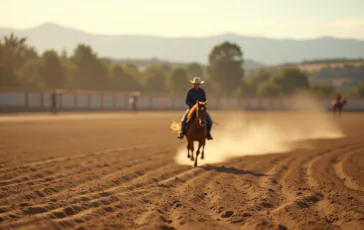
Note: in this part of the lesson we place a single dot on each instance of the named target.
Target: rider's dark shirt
(338, 98)
(194, 95)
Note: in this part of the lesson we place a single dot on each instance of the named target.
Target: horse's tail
(175, 127)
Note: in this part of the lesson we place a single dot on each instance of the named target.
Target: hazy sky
(269, 18)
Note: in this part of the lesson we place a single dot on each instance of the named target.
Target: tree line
(22, 67)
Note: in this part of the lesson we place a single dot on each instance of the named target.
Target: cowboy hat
(197, 80)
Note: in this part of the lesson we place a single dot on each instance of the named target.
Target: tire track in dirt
(94, 197)
(82, 196)
(265, 194)
(153, 209)
(210, 200)
(177, 205)
(161, 177)
(161, 212)
(69, 215)
(243, 180)
(347, 164)
(144, 189)
(86, 178)
(298, 197)
(194, 209)
(163, 194)
(340, 205)
(272, 197)
(164, 201)
(11, 170)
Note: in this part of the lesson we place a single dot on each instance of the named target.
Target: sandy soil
(131, 172)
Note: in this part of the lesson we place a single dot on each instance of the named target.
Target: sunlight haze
(298, 19)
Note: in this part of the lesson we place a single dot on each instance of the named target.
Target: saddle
(336, 102)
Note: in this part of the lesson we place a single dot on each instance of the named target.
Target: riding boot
(183, 130)
(209, 126)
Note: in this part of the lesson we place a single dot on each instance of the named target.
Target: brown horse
(338, 106)
(196, 130)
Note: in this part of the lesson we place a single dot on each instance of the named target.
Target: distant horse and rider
(196, 123)
(338, 105)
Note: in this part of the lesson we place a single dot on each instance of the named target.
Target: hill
(188, 49)
(318, 65)
(142, 63)
(340, 73)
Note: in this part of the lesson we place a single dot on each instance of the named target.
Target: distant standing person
(54, 101)
(133, 102)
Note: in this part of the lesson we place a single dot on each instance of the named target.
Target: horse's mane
(193, 110)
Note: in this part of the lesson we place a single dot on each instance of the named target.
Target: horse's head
(201, 113)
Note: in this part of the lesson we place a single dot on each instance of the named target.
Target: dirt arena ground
(125, 171)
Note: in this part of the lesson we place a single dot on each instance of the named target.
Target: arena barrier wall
(78, 101)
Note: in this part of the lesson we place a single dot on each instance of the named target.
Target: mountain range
(258, 51)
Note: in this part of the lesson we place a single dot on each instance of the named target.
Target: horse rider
(338, 98)
(193, 95)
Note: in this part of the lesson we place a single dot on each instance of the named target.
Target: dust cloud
(271, 132)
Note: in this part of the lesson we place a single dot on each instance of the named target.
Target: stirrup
(181, 135)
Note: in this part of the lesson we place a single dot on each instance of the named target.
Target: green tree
(291, 80)
(194, 69)
(225, 66)
(51, 70)
(132, 70)
(29, 76)
(165, 67)
(154, 80)
(360, 90)
(260, 77)
(269, 89)
(210, 88)
(121, 80)
(14, 53)
(64, 55)
(323, 90)
(177, 82)
(246, 89)
(89, 72)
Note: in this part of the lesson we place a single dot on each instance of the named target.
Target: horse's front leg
(203, 152)
(197, 152)
(203, 143)
(188, 150)
(198, 149)
(190, 143)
